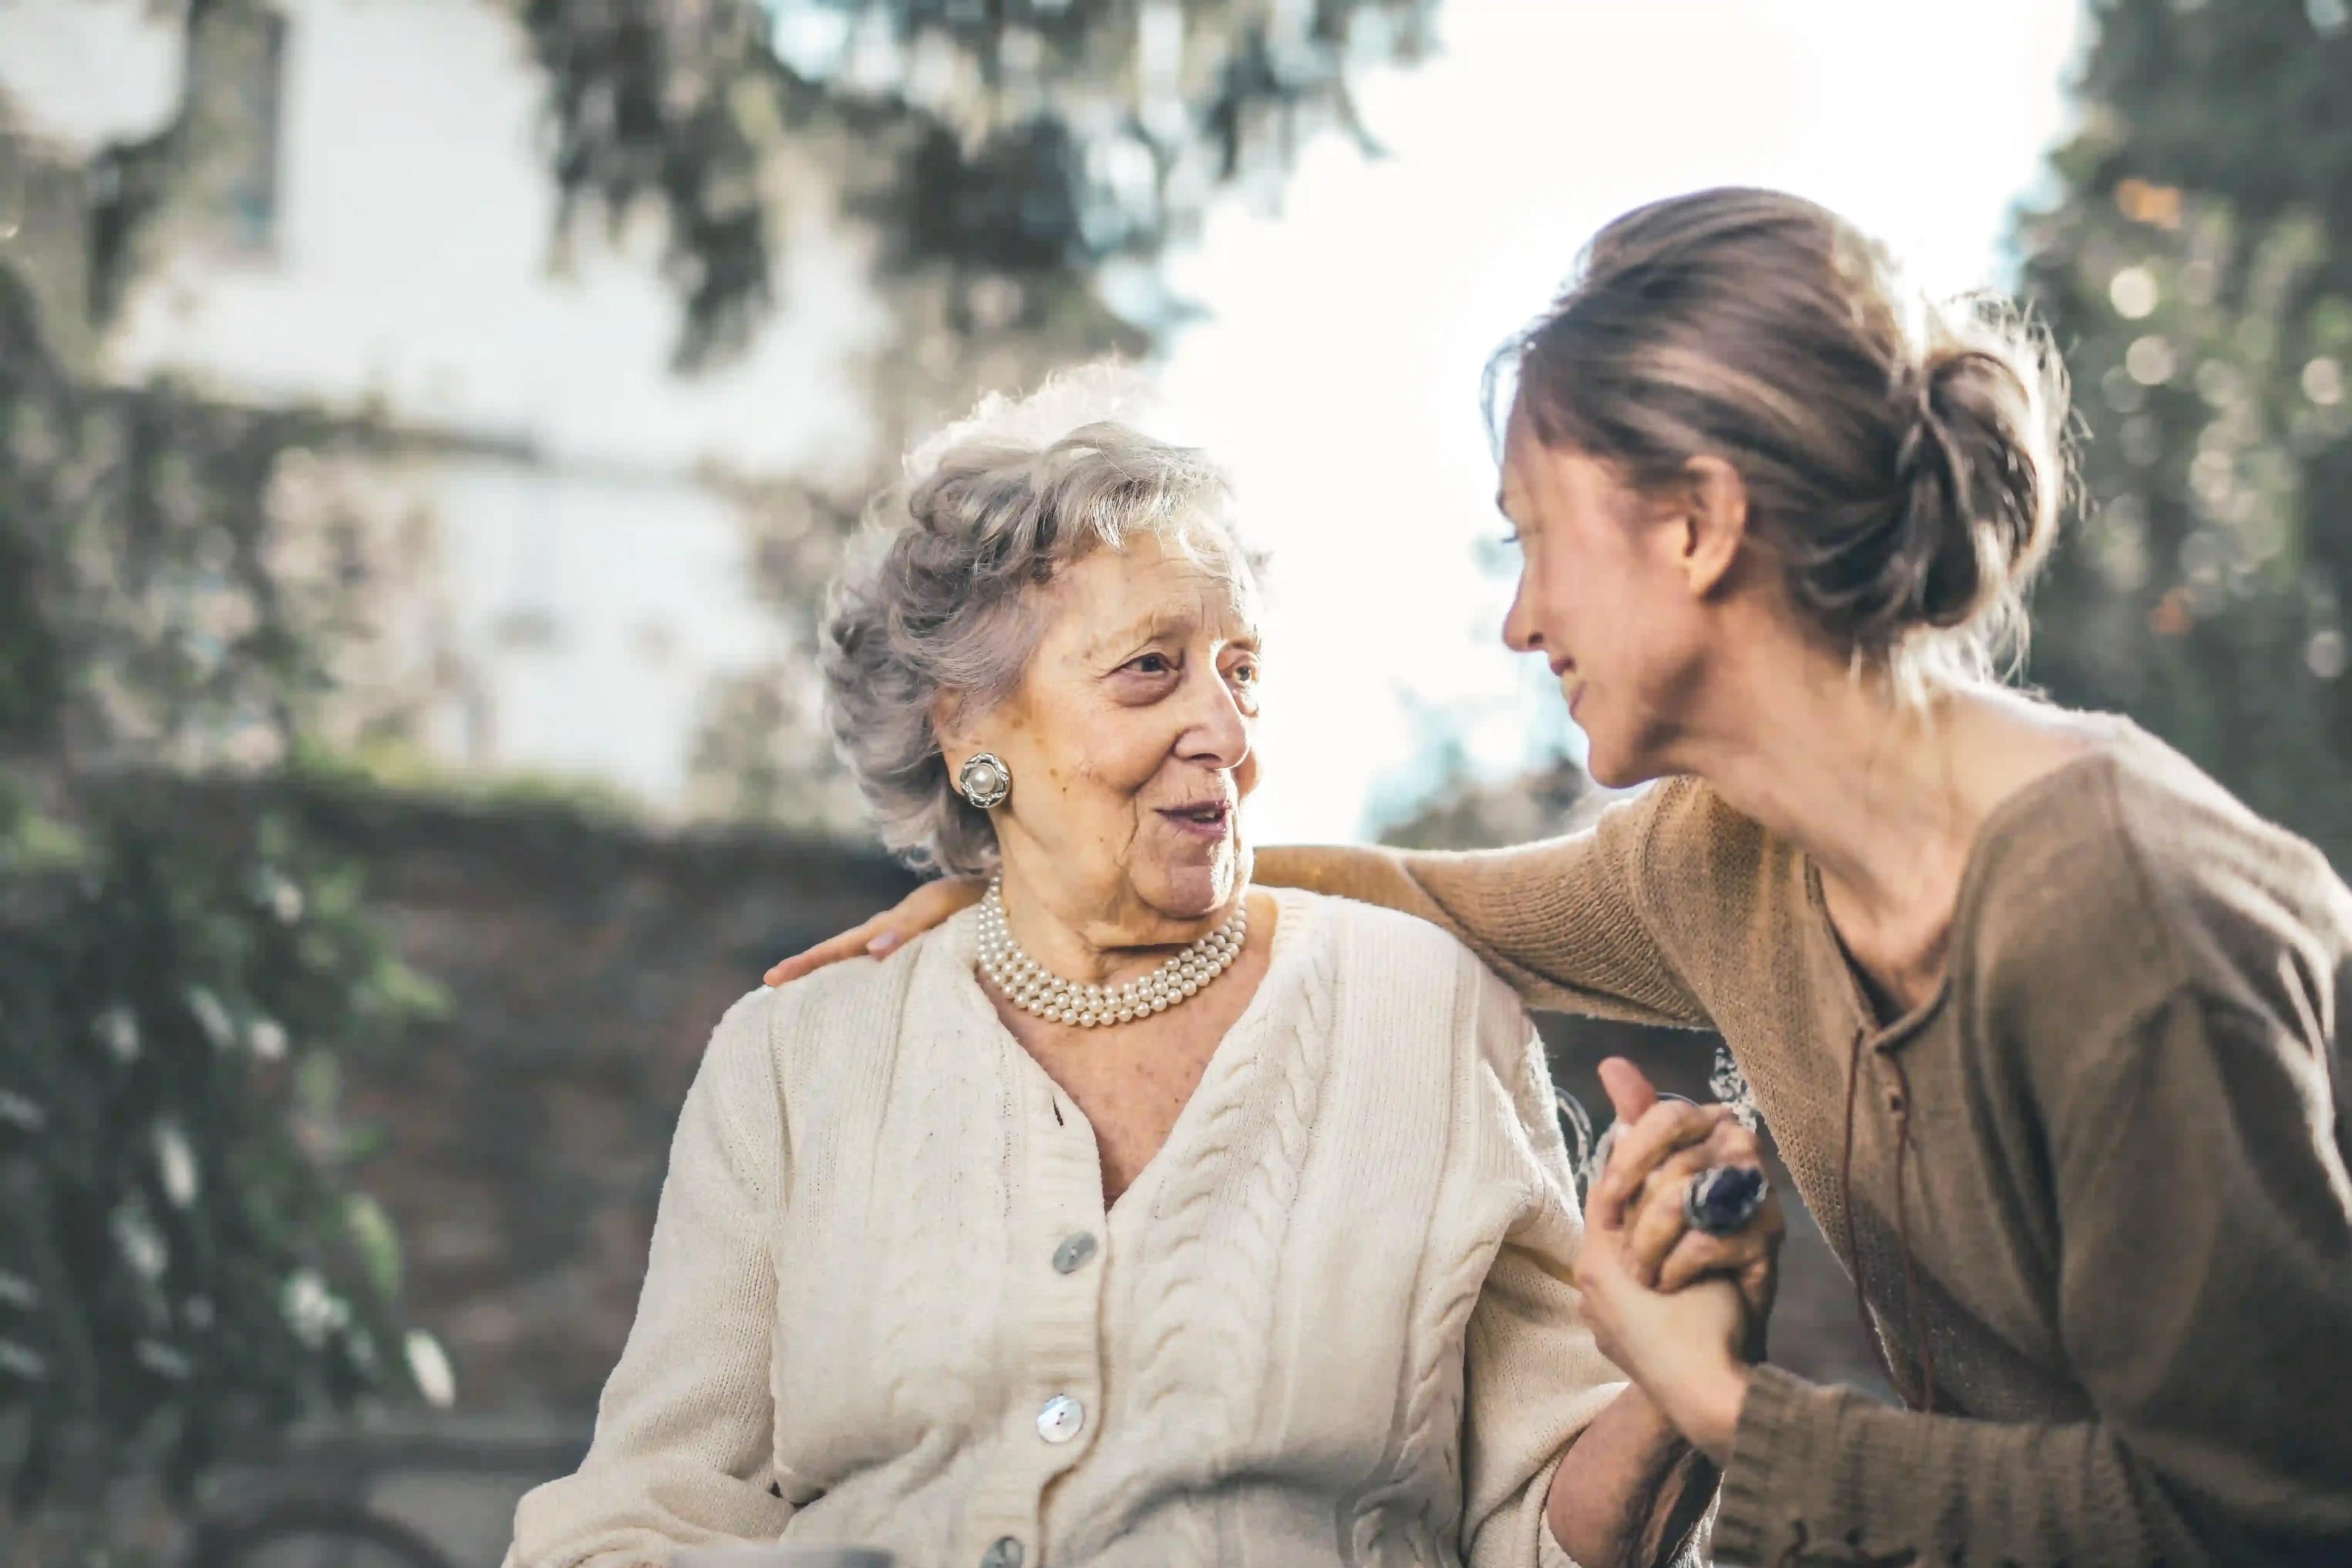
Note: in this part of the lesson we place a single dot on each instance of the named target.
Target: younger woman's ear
(1715, 522)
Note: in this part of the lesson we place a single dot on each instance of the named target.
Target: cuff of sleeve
(1783, 1424)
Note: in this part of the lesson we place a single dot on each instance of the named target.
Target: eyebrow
(1150, 628)
(1161, 623)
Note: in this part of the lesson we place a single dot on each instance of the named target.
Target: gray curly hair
(942, 600)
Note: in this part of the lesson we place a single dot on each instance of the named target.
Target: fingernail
(883, 943)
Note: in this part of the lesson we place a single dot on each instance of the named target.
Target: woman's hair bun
(1906, 461)
(1980, 467)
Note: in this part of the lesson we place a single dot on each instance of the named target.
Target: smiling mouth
(1210, 817)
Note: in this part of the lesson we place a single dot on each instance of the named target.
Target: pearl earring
(985, 781)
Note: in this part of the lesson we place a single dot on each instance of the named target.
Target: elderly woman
(1134, 1216)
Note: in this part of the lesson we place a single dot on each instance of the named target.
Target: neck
(1103, 940)
(1872, 789)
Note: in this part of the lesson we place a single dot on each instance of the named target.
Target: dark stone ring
(1722, 1199)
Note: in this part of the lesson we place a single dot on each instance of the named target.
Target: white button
(1059, 1418)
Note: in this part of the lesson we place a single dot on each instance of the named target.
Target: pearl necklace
(1028, 986)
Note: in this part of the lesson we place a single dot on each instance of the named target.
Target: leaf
(378, 1243)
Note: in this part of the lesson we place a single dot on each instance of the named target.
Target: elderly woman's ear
(972, 769)
(947, 724)
(978, 775)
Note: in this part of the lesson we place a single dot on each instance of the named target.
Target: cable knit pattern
(1434, 1387)
(1330, 1323)
(1432, 1416)
(1208, 1336)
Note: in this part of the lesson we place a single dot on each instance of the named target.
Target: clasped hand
(1680, 1312)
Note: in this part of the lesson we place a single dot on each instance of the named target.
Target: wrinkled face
(1129, 743)
(1605, 597)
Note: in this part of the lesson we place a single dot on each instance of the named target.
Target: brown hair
(1906, 463)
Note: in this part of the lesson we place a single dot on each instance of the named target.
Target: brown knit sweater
(2122, 1129)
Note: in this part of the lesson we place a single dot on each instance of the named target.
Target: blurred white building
(376, 234)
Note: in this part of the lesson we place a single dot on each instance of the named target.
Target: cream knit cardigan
(1331, 1322)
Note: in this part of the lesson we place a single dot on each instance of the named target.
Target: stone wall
(525, 1135)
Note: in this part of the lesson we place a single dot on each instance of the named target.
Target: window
(236, 58)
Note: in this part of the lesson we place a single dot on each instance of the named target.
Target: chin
(1614, 766)
(1604, 771)
(1198, 890)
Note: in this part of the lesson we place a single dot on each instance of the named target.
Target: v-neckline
(1885, 1034)
(1283, 946)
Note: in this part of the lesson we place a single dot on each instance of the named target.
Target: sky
(1338, 370)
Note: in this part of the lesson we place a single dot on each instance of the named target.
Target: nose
(1520, 633)
(1216, 732)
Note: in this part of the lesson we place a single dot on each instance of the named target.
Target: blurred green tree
(1036, 143)
(1029, 143)
(2196, 270)
(181, 1260)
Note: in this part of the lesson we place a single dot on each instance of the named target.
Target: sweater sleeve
(1534, 1377)
(1561, 919)
(683, 1453)
(2204, 1298)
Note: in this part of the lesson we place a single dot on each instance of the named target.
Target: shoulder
(2211, 868)
(2128, 880)
(850, 984)
(850, 1007)
(1367, 948)
(1361, 934)
(1388, 957)
(1695, 855)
